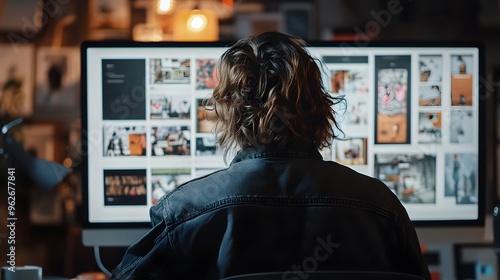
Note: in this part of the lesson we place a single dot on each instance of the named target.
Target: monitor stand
(119, 237)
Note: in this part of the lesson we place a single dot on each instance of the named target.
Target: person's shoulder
(358, 186)
(202, 186)
(192, 196)
(354, 176)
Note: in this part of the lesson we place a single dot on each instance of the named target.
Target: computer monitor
(413, 118)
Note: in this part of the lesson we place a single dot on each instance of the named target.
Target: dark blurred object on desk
(44, 173)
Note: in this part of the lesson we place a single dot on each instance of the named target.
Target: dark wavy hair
(270, 91)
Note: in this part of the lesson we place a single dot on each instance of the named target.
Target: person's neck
(274, 147)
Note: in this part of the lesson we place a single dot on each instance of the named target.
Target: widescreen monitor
(413, 118)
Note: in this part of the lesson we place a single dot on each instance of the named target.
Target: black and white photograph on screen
(356, 113)
(351, 151)
(207, 146)
(429, 95)
(171, 140)
(170, 70)
(125, 187)
(124, 140)
(461, 126)
(165, 106)
(411, 177)
(348, 81)
(431, 68)
(429, 127)
(165, 180)
(206, 74)
(461, 80)
(461, 177)
(206, 117)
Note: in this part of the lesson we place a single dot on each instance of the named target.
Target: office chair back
(324, 275)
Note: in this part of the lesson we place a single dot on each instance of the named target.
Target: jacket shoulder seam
(281, 201)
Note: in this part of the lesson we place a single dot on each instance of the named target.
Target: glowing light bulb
(68, 162)
(164, 7)
(197, 21)
(195, 25)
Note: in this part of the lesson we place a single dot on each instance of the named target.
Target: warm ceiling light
(196, 21)
(195, 25)
(164, 7)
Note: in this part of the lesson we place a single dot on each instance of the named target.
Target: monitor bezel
(479, 222)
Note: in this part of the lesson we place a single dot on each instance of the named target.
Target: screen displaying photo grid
(410, 119)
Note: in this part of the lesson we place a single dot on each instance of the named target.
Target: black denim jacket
(275, 211)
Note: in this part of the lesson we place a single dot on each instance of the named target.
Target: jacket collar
(270, 151)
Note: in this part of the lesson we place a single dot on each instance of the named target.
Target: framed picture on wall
(39, 140)
(42, 141)
(16, 80)
(16, 15)
(109, 19)
(298, 19)
(251, 24)
(57, 81)
(475, 261)
(488, 14)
